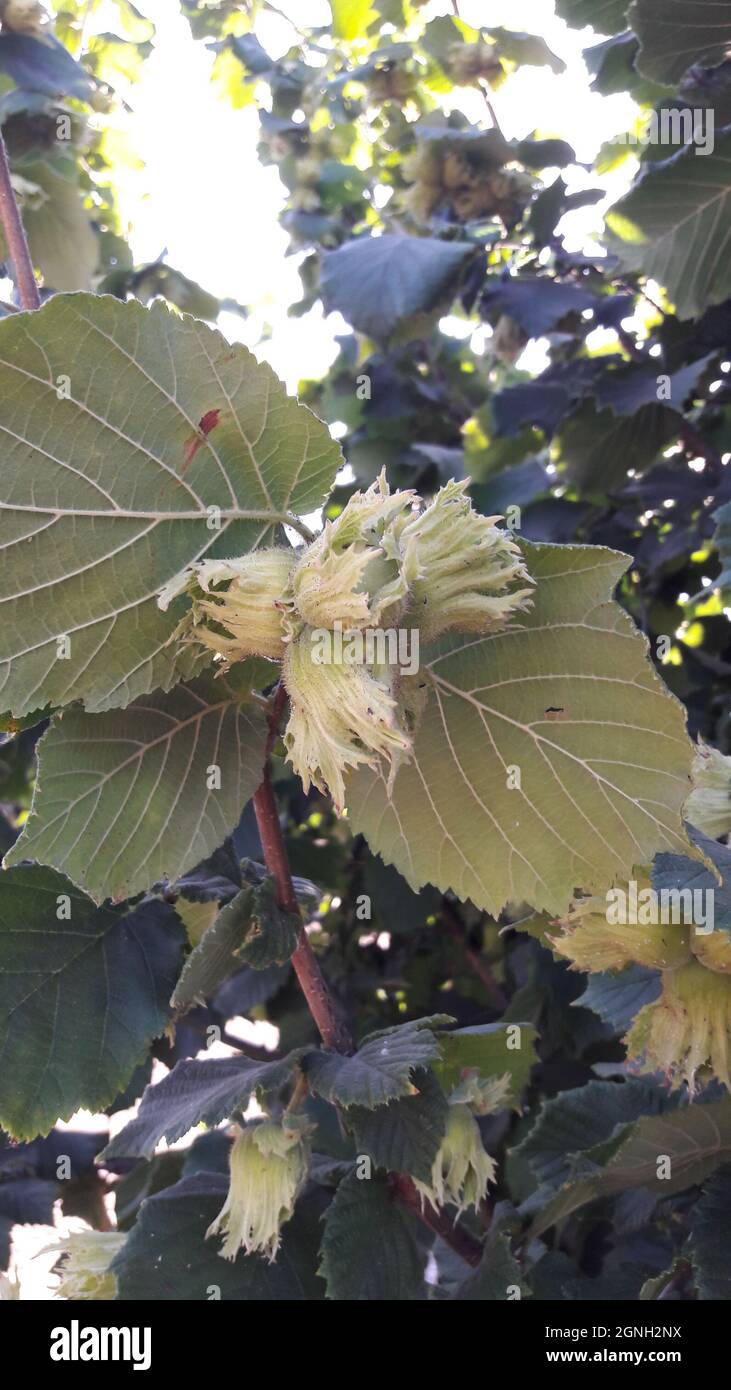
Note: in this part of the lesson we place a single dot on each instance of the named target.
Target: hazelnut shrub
(359, 868)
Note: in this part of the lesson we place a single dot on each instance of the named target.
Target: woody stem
(15, 237)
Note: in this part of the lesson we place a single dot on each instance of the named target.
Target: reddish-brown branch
(15, 237)
(320, 1002)
(459, 1239)
(479, 966)
(332, 1028)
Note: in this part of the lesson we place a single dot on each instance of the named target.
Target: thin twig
(457, 1237)
(493, 117)
(321, 1004)
(15, 237)
(479, 966)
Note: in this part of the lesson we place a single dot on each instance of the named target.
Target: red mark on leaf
(206, 423)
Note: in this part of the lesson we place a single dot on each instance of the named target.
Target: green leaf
(107, 481)
(490, 1049)
(273, 934)
(404, 1135)
(60, 236)
(579, 1119)
(710, 1235)
(599, 449)
(214, 956)
(696, 1139)
(125, 799)
(197, 1092)
(601, 786)
(672, 226)
(675, 34)
(378, 282)
(378, 1072)
(618, 996)
(369, 1249)
(351, 18)
(527, 50)
(43, 65)
(606, 16)
(497, 1276)
(167, 1256)
(83, 990)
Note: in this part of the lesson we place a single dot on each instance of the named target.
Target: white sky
(204, 196)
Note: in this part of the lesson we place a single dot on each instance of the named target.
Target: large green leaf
(696, 1139)
(577, 1120)
(167, 1256)
(121, 427)
(675, 34)
(127, 798)
(83, 990)
(370, 1249)
(673, 226)
(377, 282)
(601, 785)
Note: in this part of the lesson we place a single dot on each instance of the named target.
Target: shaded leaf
(369, 1249)
(675, 34)
(606, 16)
(166, 1255)
(404, 1135)
(43, 65)
(497, 1277)
(581, 1118)
(710, 1235)
(196, 1092)
(696, 1139)
(618, 998)
(377, 282)
(672, 226)
(81, 996)
(379, 1071)
(214, 956)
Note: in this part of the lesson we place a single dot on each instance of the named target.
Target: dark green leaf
(166, 1255)
(83, 990)
(369, 1249)
(379, 1071)
(377, 282)
(710, 1237)
(214, 956)
(404, 1135)
(196, 1092)
(498, 1277)
(675, 34)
